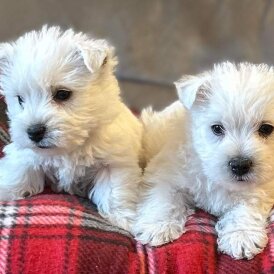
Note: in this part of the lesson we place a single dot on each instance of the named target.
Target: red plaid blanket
(56, 233)
(53, 233)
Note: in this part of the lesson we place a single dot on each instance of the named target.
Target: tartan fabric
(4, 137)
(59, 233)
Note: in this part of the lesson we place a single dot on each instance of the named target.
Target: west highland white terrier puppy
(67, 122)
(214, 151)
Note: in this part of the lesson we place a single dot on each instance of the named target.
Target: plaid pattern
(54, 233)
(58, 233)
(4, 137)
(3, 116)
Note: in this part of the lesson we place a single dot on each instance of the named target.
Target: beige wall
(157, 41)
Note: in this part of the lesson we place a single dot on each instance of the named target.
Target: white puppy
(68, 123)
(217, 153)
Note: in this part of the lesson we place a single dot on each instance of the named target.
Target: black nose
(240, 165)
(36, 132)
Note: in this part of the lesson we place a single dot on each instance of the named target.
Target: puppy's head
(59, 88)
(231, 111)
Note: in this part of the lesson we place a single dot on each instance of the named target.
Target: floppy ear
(191, 89)
(96, 54)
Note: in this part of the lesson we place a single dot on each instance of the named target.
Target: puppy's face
(232, 120)
(58, 87)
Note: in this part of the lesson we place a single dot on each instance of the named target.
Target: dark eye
(20, 100)
(62, 95)
(265, 130)
(218, 130)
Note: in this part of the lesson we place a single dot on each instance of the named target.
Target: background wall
(156, 41)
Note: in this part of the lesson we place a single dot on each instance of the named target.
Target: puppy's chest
(215, 200)
(74, 179)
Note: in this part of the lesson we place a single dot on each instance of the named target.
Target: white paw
(10, 195)
(6, 193)
(242, 244)
(10, 191)
(158, 233)
(121, 221)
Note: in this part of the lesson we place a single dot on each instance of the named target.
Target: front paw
(6, 192)
(157, 234)
(6, 195)
(120, 221)
(11, 195)
(243, 243)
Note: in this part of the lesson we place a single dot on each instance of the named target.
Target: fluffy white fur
(188, 164)
(93, 140)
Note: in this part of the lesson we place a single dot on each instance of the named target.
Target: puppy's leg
(115, 194)
(161, 216)
(18, 178)
(165, 206)
(242, 232)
